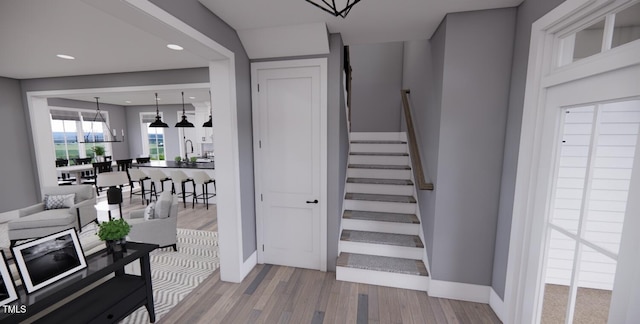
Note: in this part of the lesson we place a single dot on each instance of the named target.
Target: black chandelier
(331, 7)
(107, 135)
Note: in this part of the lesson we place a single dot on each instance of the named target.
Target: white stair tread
(382, 238)
(382, 198)
(379, 153)
(379, 166)
(399, 182)
(381, 217)
(377, 142)
(380, 263)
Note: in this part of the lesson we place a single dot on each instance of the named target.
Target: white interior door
(290, 201)
(591, 223)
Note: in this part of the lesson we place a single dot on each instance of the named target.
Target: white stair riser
(378, 136)
(378, 148)
(402, 190)
(393, 251)
(378, 159)
(380, 206)
(382, 227)
(379, 173)
(380, 278)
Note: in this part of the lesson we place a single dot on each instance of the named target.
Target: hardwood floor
(277, 294)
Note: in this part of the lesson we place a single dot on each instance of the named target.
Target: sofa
(37, 221)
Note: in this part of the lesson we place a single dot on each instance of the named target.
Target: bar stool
(203, 179)
(136, 175)
(157, 176)
(179, 176)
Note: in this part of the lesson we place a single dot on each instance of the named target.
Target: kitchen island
(176, 165)
(188, 168)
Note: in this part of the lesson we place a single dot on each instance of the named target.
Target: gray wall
(199, 17)
(196, 75)
(171, 135)
(117, 120)
(459, 83)
(18, 186)
(422, 74)
(338, 147)
(376, 85)
(477, 71)
(528, 12)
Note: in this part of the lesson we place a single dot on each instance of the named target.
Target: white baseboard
(249, 264)
(459, 291)
(497, 304)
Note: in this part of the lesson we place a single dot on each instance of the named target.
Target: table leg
(145, 272)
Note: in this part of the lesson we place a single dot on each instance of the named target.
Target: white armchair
(36, 221)
(162, 229)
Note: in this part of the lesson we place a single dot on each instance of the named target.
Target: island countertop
(173, 164)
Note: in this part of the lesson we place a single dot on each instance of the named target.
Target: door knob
(312, 201)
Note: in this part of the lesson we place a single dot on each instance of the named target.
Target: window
(152, 137)
(69, 125)
(610, 32)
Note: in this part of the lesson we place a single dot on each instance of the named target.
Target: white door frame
(530, 198)
(255, 67)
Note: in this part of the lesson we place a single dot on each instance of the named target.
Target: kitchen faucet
(186, 157)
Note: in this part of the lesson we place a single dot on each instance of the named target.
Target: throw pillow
(163, 205)
(59, 201)
(149, 211)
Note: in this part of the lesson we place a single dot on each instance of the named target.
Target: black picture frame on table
(48, 259)
(8, 291)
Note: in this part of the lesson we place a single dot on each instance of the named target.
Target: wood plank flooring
(277, 294)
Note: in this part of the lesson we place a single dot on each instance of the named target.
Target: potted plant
(193, 159)
(177, 159)
(99, 152)
(114, 233)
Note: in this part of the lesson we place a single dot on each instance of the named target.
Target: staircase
(381, 243)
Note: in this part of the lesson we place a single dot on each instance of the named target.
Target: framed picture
(46, 260)
(7, 288)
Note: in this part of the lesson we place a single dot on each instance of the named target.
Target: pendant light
(209, 123)
(158, 122)
(184, 122)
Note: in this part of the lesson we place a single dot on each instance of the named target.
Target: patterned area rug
(176, 274)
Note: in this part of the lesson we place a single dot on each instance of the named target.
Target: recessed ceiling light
(192, 97)
(175, 47)
(66, 57)
(127, 101)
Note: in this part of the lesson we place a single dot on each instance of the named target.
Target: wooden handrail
(413, 144)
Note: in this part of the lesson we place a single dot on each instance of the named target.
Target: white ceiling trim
(305, 39)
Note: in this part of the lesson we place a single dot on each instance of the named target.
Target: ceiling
(370, 21)
(33, 32)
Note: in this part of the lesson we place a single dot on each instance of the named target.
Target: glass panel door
(596, 151)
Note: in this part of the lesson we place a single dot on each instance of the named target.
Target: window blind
(148, 118)
(64, 115)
